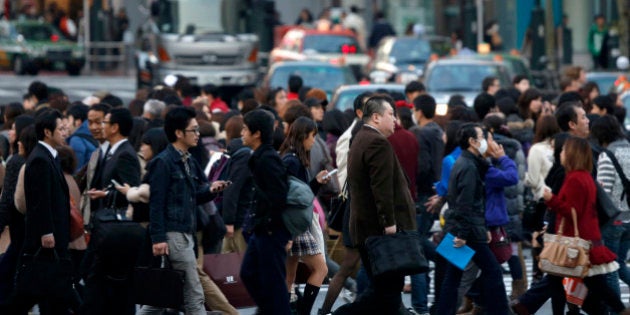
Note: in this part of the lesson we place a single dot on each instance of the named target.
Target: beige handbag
(565, 256)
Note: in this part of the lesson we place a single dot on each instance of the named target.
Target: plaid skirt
(305, 244)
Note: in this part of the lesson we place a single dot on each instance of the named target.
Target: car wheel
(73, 70)
(32, 69)
(18, 65)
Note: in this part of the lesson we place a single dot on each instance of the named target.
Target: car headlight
(76, 53)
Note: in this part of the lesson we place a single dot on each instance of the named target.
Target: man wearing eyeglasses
(114, 253)
(120, 161)
(178, 185)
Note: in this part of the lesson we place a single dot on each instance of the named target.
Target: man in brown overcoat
(380, 199)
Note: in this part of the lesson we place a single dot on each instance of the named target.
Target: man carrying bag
(178, 185)
(381, 202)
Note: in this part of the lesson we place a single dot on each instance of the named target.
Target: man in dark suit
(380, 200)
(95, 118)
(47, 201)
(116, 255)
(120, 162)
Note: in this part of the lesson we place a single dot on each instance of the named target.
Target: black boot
(308, 299)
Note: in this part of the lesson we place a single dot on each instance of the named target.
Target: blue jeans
(492, 290)
(264, 273)
(617, 239)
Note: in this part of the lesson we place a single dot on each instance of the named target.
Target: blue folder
(458, 256)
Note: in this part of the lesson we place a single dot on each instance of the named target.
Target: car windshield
(460, 77)
(407, 51)
(604, 83)
(326, 43)
(185, 17)
(327, 78)
(345, 99)
(35, 32)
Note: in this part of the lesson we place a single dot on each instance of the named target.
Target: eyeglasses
(195, 130)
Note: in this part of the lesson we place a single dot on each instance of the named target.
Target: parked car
(402, 59)
(446, 77)
(515, 65)
(341, 47)
(605, 80)
(325, 76)
(29, 46)
(343, 99)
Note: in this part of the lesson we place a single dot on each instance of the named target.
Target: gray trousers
(182, 257)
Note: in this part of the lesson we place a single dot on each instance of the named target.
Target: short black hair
(426, 104)
(566, 113)
(567, 97)
(465, 132)
(483, 103)
(606, 129)
(39, 90)
(46, 120)
(156, 139)
(376, 105)
(79, 111)
(210, 89)
(100, 107)
(260, 120)
(358, 101)
(605, 102)
(295, 83)
(112, 100)
(122, 117)
(487, 82)
(414, 86)
(177, 118)
(518, 78)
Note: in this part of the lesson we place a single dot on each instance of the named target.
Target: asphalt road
(13, 87)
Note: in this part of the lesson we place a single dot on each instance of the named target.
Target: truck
(202, 40)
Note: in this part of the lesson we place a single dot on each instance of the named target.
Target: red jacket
(218, 105)
(406, 148)
(579, 192)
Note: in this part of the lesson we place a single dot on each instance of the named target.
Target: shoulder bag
(500, 244)
(397, 254)
(44, 275)
(565, 256)
(160, 286)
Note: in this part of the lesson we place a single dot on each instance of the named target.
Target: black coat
(124, 167)
(270, 181)
(466, 194)
(237, 198)
(47, 202)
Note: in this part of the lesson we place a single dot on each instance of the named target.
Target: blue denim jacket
(174, 194)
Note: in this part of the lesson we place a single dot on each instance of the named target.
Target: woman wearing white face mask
(465, 219)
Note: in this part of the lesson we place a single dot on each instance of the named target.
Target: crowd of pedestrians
(496, 176)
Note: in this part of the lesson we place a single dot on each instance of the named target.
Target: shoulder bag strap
(624, 180)
(576, 232)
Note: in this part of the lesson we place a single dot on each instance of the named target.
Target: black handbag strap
(624, 180)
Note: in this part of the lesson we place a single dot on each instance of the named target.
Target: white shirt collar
(51, 149)
(104, 147)
(115, 146)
